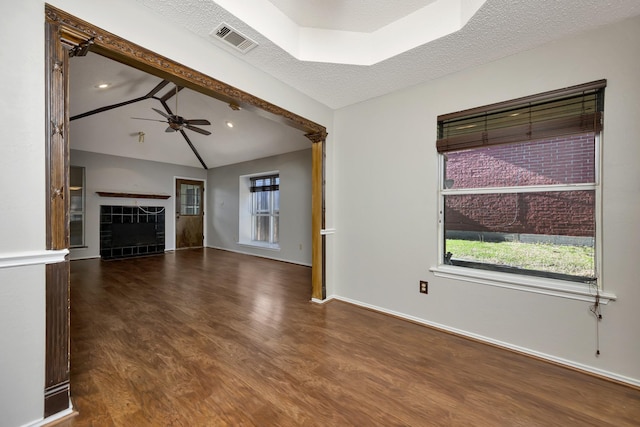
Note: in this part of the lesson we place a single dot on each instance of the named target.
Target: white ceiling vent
(233, 37)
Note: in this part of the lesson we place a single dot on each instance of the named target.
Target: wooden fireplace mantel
(132, 195)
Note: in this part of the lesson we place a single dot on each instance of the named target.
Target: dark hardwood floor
(212, 338)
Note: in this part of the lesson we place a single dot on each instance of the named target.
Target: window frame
(246, 219)
(525, 282)
(271, 212)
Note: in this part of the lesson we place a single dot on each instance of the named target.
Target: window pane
(276, 224)
(551, 232)
(276, 201)
(261, 204)
(563, 160)
(189, 199)
(261, 228)
(75, 230)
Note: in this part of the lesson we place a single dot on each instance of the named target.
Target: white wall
(22, 216)
(387, 234)
(295, 206)
(22, 160)
(120, 174)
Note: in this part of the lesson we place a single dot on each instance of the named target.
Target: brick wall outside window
(554, 161)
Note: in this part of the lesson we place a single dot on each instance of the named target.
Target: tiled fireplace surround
(128, 231)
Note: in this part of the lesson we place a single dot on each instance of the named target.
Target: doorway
(67, 36)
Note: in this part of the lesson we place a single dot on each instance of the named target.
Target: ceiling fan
(176, 122)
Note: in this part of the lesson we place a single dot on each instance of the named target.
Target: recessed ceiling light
(103, 85)
(229, 124)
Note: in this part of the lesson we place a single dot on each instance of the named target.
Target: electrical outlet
(424, 287)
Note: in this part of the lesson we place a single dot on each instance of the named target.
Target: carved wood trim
(57, 153)
(56, 393)
(76, 31)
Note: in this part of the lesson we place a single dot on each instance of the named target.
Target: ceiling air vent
(232, 37)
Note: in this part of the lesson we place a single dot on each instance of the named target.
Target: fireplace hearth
(129, 231)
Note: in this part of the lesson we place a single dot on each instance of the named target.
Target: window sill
(557, 288)
(261, 245)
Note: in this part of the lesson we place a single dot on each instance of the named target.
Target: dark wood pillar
(56, 387)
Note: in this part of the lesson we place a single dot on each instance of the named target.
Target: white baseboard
(259, 256)
(568, 363)
(52, 418)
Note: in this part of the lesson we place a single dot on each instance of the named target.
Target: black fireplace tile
(112, 216)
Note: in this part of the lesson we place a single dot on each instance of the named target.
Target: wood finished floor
(212, 338)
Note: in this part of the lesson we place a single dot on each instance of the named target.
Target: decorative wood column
(56, 387)
(318, 250)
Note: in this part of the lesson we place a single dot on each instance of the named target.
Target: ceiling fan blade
(195, 129)
(197, 122)
(162, 113)
(152, 120)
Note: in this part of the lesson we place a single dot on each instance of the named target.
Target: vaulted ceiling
(339, 52)
(117, 131)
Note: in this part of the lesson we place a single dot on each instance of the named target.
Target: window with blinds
(519, 186)
(265, 208)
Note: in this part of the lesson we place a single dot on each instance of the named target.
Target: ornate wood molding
(56, 147)
(56, 392)
(76, 31)
(317, 137)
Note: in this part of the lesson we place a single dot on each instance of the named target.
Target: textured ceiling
(500, 28)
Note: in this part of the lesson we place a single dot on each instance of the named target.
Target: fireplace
(128, 231)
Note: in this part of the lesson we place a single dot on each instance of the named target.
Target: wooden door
(189, 214)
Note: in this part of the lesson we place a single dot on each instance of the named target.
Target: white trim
(259, 256)
(52, 418)
(19, 259)
(327, 231)
(539, 285)
(519, 189)
(261, 245)
(322, 301)
(505, 345)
